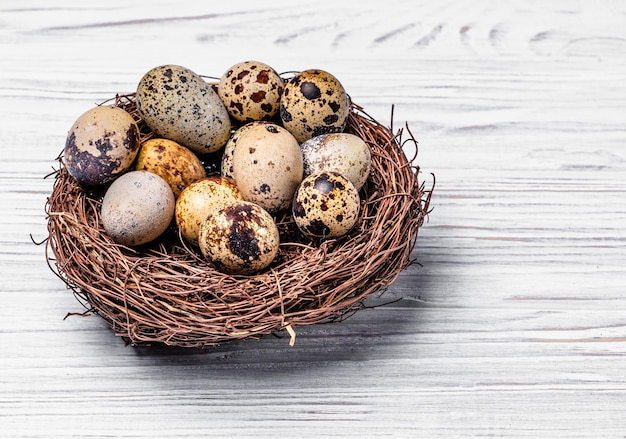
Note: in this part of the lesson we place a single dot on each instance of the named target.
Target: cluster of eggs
(282, 148)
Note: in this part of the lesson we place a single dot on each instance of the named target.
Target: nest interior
(166, 292)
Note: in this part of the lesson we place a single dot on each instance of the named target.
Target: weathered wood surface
(514, 324)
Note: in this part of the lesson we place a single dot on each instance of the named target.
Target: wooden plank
(513, 324)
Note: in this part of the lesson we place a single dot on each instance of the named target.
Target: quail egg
(267, 166)
(239, 238)
(178, 104)
(313, 103)
(198, 199)
(227, 156)
(137, 208)
(325, 205)
(251, 90)
(178, 165)
(101, 145)
(345, 153)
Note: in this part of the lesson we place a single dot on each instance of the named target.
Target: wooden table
(514, 324)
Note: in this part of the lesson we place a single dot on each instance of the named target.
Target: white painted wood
(514, 325)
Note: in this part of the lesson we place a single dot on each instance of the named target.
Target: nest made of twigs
(166, 292)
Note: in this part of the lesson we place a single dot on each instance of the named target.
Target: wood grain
(512, 325)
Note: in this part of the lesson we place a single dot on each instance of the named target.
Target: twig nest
(267, 269)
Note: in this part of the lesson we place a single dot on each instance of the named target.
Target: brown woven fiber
(166, 292)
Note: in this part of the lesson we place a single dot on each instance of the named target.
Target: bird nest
(166, 292)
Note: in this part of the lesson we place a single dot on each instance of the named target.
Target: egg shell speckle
(344, 153)
(101, 145)
(198, 200)
(177, 104)
(137, 208)
(314, 102)
(239, 238)
(267, 166)
(326, 205)
(251, 90)
(178, 165)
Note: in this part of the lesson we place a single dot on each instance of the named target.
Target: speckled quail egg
(226, 168)
(345, 153)
(102, 144)
(137, 208)
(326, 205)
(239, 238)
(251, 90)
(177, 104)
(267, 166)
(198, 199)
(178, 165)
(313, 103)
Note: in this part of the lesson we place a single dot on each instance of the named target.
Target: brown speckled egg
(251, 90)
(198, 199)
(102, 144)
(345, 153)
(177, 104)
(313, 103)
(137, 208)
(227, 156)
(326, 205)
(239, 238)
(267, 166)
(178, 165)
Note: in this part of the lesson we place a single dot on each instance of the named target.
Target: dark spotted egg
(326, 205)
(178, 104)
(313, 103)
(239, 238)
(101, 145)
(251, 90)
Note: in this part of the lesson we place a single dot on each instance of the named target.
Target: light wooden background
(514, 325)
